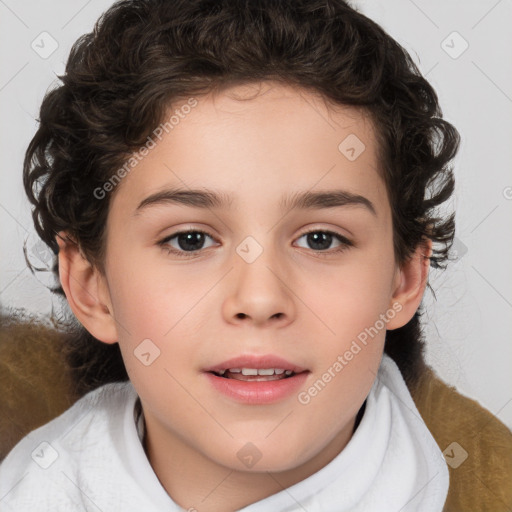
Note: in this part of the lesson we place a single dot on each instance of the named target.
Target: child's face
(255, 284)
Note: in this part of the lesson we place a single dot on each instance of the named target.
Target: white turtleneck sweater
(91, 458)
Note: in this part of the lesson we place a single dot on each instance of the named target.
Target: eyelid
(332, 231)
(188, 228)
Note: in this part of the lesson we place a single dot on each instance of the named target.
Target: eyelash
(345, 243)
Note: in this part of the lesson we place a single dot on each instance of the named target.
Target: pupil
(319, 238)
(186, 241)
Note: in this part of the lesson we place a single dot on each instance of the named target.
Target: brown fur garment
(35, 383)
(483, 482)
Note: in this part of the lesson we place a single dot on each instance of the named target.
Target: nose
(260, 291)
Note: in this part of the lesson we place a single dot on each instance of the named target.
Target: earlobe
(409, 285)
(86, 290)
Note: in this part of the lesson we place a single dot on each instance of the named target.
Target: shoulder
(477, 445)
(47, 459)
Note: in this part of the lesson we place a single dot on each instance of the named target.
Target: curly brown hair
(143, 55)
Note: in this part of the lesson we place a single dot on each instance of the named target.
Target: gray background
(470, 323)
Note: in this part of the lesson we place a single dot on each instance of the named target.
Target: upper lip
(258, 362)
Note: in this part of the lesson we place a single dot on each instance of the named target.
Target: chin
(256, 457)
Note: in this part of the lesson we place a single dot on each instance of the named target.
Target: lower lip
(258, 392)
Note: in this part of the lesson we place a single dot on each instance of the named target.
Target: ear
(409, 285)
(86, 290)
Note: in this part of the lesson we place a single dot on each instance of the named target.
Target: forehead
(259, 142)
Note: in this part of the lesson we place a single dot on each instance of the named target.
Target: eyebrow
(306, 200)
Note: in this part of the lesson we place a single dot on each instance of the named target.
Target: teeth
(262, 371)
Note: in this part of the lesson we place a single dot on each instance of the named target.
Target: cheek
(153, 312)
(348, 300)
(351, 334)
(151, 298)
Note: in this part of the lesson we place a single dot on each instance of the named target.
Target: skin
(298, 302)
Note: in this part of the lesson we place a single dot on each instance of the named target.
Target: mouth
(255, 368)
(257, 380)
